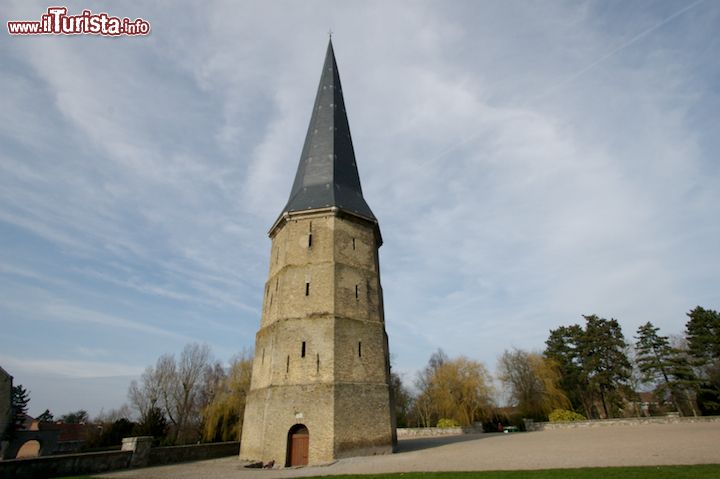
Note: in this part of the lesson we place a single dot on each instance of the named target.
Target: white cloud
(68, 368)
(529, 163)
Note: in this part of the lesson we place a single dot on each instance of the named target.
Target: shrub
(564, 415)
(444, 422)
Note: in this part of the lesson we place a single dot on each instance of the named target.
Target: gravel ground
(638, 445)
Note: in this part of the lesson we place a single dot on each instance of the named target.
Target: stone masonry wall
(192, 452)
(321, 346)
(358, 432)
(98, 462)
(625, 422)
(417, 432)
(64, 465)
(275, 409)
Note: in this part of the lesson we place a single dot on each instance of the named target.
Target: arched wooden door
(298, 446)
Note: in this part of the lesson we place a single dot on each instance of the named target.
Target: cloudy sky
(529, 162)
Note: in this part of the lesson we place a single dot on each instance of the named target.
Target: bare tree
(144, 395)
(112, 415)
(424, 406)
(175, 388)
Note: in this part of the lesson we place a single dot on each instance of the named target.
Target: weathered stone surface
(136, 452)
(192, 452)
(634, 421)
(64, 465)
(140, 447)
(321, 366)
(321, 354)
(413, 432)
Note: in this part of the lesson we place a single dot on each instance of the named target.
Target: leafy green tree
(702, 332)
(593, 362)
(656, 360)
(19, 401)
(605, 362)
(46, 416)
(402, 400)
(152, 423)
(109, 434)
(563, 347)
(686, 381)
(76, 417)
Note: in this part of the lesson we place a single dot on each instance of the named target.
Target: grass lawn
(711, 471)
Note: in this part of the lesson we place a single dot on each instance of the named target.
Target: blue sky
(529, 162)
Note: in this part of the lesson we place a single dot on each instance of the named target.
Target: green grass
(710, 471)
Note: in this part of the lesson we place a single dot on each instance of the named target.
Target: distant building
(6, 385)
(321, 372)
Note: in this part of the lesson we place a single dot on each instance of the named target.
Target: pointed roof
(327, 175)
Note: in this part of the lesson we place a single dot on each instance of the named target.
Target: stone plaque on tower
(321, 373)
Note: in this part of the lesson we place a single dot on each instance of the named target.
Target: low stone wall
(195, 452)
(136, 453)
(64, 465)
(624, 422)
(413, 432)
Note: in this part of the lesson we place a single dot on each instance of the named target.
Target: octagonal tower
(321, 373)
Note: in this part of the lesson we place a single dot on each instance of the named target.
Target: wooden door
(299, 446)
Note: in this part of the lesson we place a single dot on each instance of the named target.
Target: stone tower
(320, 380)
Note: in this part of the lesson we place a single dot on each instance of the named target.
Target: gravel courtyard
(639, 445)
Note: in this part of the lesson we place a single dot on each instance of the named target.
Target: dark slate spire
(327, 175)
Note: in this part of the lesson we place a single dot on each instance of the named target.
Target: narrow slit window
(262, 361)
(307, 288)
(271, 300)
(353, 243)
(317, 363)
(302, 350)
(359, 349)
(357, 296)
(287, 365)
(310, 240)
